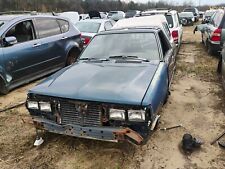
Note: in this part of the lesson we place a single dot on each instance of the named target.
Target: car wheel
(209, 49)
(3, 89)
(72, 56)
(219, 67)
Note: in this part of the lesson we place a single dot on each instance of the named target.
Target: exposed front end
(101, 121)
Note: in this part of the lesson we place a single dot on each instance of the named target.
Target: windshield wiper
(94, 59)
(128, 57)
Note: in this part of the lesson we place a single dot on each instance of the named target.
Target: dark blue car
(32, 46)
(113, 92)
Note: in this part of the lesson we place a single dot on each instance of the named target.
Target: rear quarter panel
(157, 91)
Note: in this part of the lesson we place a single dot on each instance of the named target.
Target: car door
(51, 42)
(168, 53)
(23, 58)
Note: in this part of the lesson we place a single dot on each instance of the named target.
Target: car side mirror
(10, 41)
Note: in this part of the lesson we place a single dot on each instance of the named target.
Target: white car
(90, 27)
(72, 16)
(116, 15)
(146, 21)
(175, 26)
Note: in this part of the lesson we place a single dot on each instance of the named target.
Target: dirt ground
(196, 102)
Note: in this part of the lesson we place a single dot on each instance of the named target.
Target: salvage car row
(115, 88)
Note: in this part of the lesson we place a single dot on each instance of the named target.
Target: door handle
(36, 45)
(64, 38)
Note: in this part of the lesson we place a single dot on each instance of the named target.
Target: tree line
(83, 6)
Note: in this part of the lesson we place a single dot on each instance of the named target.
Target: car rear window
(88, 27)
(143, 45)
(189, 10)
(47, 27)
(169, 19)
(112, 13)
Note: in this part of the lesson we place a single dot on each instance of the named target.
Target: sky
(195, 2)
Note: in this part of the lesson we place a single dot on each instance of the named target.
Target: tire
(3, 89)
(219, 67)
(72, 56)
(209, 49)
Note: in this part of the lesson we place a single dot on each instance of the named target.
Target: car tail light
(216, 35)
(86, 40)
(175, 36)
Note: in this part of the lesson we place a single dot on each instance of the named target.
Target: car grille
(71, 115)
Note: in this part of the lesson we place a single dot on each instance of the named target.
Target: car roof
(166, 11)
(95, 20)
(130, 30)
(27, 16)
(145, 21)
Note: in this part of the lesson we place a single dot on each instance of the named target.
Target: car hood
(118, 83)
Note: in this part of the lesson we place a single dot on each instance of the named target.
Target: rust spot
(132, 136)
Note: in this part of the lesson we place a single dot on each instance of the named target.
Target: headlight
(116, 114)
(45, 106)
(32, 105)
(136, 115)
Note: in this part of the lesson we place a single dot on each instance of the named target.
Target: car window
(167, 29)
(23, 31)
(218, 18)
(108, 25)
(88, 27)
(164, 43)
(169, 19)
(64, 25)
(143, 45)
(47, 27)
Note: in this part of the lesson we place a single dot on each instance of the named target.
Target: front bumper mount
(112, 134)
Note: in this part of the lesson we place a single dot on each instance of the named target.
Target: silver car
(90, 27)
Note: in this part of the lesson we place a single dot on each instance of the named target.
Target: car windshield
(88, 27)
(142, 45)
(112, 13)
(130, 14)
(209, 13)
(184, 14)
(169, 20)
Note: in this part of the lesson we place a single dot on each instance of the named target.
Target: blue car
(113, 93)
(32, 46)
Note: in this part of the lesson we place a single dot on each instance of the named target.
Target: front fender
(157, 91)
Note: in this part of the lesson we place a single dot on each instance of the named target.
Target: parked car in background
(194, 11)
(201, 14)
(104, 15)
(187, 18)
(172, 17)
(147, 21)
(132, 13)
(114, 91)
(84, 16)
(90, 27)
(116, 15)
(33, 46)
(207, 16)
(213, 32)
(72, 16)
